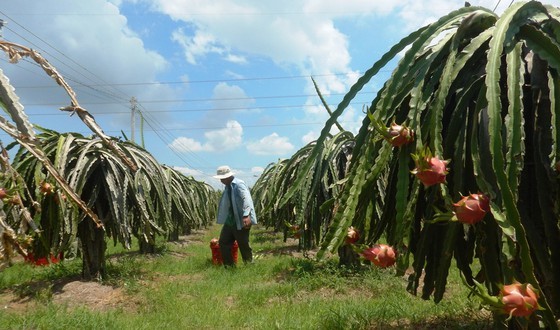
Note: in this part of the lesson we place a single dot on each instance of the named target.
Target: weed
(63, 270)
(182, 289)
(125, 272)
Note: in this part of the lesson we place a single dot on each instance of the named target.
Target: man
(236, 213)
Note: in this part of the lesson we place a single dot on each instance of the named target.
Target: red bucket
(43, 261)
(217, 255)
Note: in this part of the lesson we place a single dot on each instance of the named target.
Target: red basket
(217, 255)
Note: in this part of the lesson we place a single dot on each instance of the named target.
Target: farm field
(180, 288)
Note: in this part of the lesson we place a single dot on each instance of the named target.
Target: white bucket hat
(223, 172)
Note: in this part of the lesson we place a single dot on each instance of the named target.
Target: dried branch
(16, 52)
(36, 151)
(8, 238)
(7, 167)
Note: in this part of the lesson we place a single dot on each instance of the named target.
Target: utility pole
(2, 23)
(133, 109)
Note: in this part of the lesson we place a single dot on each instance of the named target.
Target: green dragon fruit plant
(482, 92)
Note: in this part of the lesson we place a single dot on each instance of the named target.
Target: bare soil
(92, 295)
(74, 293)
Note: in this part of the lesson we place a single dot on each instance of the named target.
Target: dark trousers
(229, 235)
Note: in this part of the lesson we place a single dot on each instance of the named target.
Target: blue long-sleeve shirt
(242, 204)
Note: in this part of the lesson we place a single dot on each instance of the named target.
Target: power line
(168, 142)
(497, 4)
(54, 48)
(224, 13)
(248, 98)
(66, 76)
(252, 126)
(154, 130)
(51, 56)
(103, 83)
(102, 94)
(108, 90)
(269, 107)
(204, 81)
(280, 13)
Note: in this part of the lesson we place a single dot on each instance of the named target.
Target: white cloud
(227, 102)
(223, 139)
(190, 172)
(314, 109)
(337, 8)
(257, 170)
(199, 45)
(309, 137)
(300, 33)
(351, 120)
(236, 59)
(234, 75)
(272, 144)
(305, 35)
(282, 31)
(226, 138)
(230, 96)
(200, 176)
(184, 78)
(89, 43)
(185, 145)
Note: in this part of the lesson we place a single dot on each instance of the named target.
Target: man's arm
(245, 195)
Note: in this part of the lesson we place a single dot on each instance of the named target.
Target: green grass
(180, 288)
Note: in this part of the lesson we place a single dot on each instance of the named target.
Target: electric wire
(204, 81)
(248, 98)
(56, 50)
(104, 83)
(497, 4)
(167, 137)
(41, 75)
(155, 111)
(164, 134)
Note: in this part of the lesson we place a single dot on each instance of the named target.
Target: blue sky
(217, 82)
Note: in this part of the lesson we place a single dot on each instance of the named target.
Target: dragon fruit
(352, 236)
(519, 299)
(399, 135)
(214, 242)
(472, 208)
(429, 170)
(381, 255)
(296, 231)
